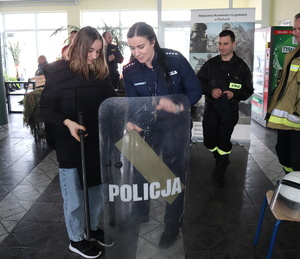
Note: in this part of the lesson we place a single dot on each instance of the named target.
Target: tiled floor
(217, 224)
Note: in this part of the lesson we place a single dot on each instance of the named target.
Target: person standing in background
(284, 110)
(70, 39)
(113, 58)
(226, 80)
(79, 83)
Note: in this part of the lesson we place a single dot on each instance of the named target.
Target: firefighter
(284, 109)
(226, 80)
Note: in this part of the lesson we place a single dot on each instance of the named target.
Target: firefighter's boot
(222, 162)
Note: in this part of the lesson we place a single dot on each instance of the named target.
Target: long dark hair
(142, 29)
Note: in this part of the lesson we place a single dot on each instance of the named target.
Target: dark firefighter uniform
(221, 115)
(113, 65)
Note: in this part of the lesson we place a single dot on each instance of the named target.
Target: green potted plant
(14, 86)
(116, 33)
(69, 28)
(15, 51)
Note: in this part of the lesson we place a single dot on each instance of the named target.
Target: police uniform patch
(129, 65)
(172, 53)
(140, 83)
(235, 86)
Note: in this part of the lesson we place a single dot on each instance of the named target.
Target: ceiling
(8, 3)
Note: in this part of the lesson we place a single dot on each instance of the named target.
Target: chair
(10, 89)
(279, 218)
(13, 88)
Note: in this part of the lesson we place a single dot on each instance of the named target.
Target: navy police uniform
(140, 81)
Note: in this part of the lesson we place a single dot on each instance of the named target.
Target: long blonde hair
(78, 51)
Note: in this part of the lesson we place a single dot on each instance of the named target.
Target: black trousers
(217, 131)
(171, 148)
(115, 78)
(288, 148)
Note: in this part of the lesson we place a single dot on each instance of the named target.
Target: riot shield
(144, 153)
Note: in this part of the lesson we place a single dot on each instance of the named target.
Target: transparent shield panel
(144, 163)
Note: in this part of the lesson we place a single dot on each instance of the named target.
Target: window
(50, 20)
(33, 36)
(97, 19)
(123, 19)
(128, 18)
(28, 21)
(184, 15)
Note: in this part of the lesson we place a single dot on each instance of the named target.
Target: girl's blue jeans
(73, 198)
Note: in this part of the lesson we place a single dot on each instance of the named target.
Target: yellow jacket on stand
(284, 109)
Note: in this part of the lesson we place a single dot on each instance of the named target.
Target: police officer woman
(155, 71)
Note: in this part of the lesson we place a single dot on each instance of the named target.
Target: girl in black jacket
(78, 84)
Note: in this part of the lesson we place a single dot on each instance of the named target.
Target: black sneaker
(168, 237)
(85, 249)
(98, 235)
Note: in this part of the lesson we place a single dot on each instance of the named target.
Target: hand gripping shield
(144, 155)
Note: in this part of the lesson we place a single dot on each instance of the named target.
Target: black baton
(81, 133)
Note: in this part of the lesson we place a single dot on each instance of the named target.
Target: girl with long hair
(79, 83)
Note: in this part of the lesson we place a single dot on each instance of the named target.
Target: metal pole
(84, 180)
(160, 33)
(3, 109)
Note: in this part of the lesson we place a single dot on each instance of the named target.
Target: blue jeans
(74, 213)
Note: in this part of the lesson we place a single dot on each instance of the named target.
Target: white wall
(278, 9)
(284, 10)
